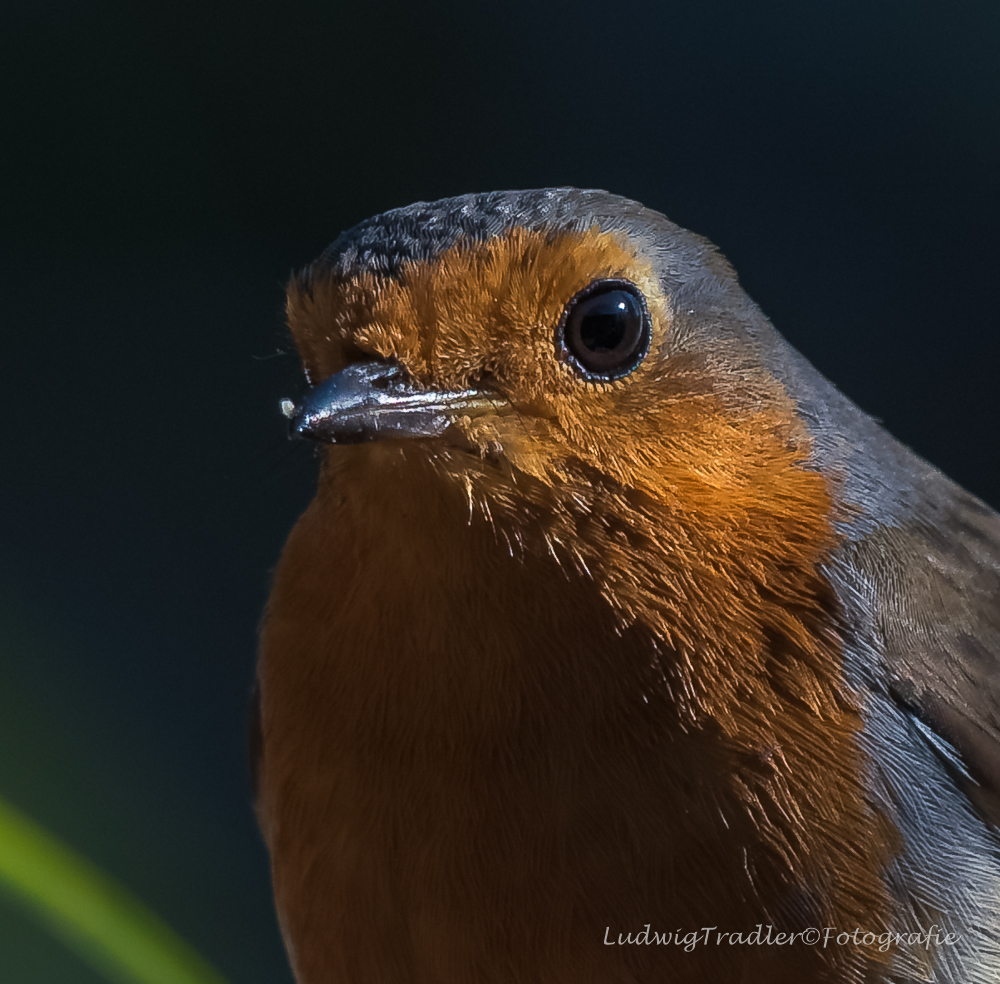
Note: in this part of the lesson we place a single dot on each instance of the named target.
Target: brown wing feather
(937, 579)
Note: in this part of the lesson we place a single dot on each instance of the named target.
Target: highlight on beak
(369, 400)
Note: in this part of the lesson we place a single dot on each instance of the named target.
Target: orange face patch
(681, 490)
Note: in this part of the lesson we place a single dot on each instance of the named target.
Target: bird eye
(604, 330)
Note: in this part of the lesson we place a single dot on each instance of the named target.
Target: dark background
(164, 168)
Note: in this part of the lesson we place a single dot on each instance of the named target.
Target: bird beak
(370, 400)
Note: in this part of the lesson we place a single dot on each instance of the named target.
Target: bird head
(585, 330)
(596, 383)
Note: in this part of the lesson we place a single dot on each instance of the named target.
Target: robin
(617, 645)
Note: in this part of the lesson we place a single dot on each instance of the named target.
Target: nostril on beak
(390, 376)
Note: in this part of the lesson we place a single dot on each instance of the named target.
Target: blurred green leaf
(96, 916)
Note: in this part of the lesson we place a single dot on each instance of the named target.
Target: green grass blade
(108, 927)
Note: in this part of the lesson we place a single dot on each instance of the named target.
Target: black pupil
(608, 320)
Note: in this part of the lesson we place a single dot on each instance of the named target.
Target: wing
(936, 575)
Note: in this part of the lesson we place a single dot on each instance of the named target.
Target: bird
(617, 645)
